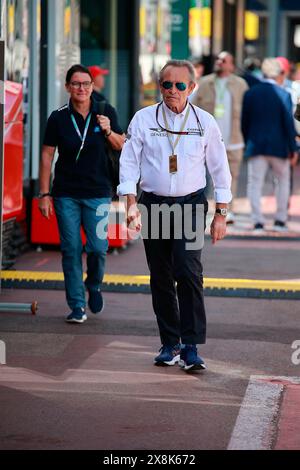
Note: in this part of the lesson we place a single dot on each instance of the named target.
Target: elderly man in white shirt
(167, 147)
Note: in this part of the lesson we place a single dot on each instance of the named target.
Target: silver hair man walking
(167, 147)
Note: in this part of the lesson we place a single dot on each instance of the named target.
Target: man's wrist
(222, 211)
(41, 195)
(107, 134)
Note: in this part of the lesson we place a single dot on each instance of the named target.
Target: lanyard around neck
(81, 137)
(201, 130)
(174, 144)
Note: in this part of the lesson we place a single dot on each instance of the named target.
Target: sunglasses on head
(181, 86)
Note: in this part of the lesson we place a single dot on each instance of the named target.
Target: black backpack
(113, 156)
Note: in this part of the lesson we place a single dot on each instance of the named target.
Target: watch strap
(41, 195)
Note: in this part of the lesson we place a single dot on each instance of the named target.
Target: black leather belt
(160, 198)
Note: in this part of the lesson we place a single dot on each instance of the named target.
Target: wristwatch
(41, 195)
(222, 211)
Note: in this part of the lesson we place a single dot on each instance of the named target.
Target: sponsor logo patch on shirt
(157, 131)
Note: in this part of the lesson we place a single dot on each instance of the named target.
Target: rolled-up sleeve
(217, 163)
(130, 160)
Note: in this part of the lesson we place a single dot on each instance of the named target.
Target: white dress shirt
(145, 155)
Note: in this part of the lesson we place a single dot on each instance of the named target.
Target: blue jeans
(72, 213)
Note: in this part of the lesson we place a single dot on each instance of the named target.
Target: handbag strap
(101, 106)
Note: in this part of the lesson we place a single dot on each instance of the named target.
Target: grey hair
(271, 68)
(179, 63)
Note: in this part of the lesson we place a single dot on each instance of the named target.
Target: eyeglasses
(77, 85)
(181, 86)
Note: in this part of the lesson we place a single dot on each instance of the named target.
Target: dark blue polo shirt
(88, 177)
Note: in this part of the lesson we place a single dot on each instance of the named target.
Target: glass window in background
(156, 43)
(155, 46)
(256, 29)
(16, 33)
(95, 36)
(200, 28)
(17, 50)
(67, 50)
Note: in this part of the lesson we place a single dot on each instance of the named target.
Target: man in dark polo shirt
(81, 188)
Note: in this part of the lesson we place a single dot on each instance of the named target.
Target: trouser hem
(193, 340)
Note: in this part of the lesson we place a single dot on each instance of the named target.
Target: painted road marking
(257, 423)
(218, 283)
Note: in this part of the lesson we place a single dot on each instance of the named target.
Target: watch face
(223, 211)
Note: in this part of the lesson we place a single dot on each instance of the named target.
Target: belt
(185, 198)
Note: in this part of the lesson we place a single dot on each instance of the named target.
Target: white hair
(179, 63)
(271, 68)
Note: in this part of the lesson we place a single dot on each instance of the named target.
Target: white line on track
(256, 424)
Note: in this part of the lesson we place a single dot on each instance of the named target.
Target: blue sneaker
(95, 302)
(189, 359)
(76, 316)
(169, 355)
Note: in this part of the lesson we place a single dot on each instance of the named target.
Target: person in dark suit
(270, 136)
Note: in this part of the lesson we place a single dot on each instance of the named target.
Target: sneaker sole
(280, 230)
(100, 311)
(168, 363)
(183, 366)
(74, 320)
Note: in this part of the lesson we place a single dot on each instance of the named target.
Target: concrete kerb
(251, 288)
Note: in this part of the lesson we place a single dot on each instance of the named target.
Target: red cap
(95, 71)
(284, 63)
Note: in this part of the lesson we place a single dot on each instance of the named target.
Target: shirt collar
(270, 80)
(173, 115)
(93, 107)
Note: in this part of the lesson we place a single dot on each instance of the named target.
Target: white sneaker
(280, 226)
(258, 228)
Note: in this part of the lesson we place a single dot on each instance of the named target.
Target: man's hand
(218, 228)
(45, 206)
(133, 214)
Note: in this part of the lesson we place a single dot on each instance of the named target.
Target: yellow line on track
(216, 283)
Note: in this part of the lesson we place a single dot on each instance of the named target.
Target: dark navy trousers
(176, 276)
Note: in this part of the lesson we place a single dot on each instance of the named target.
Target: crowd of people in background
(254, 108)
